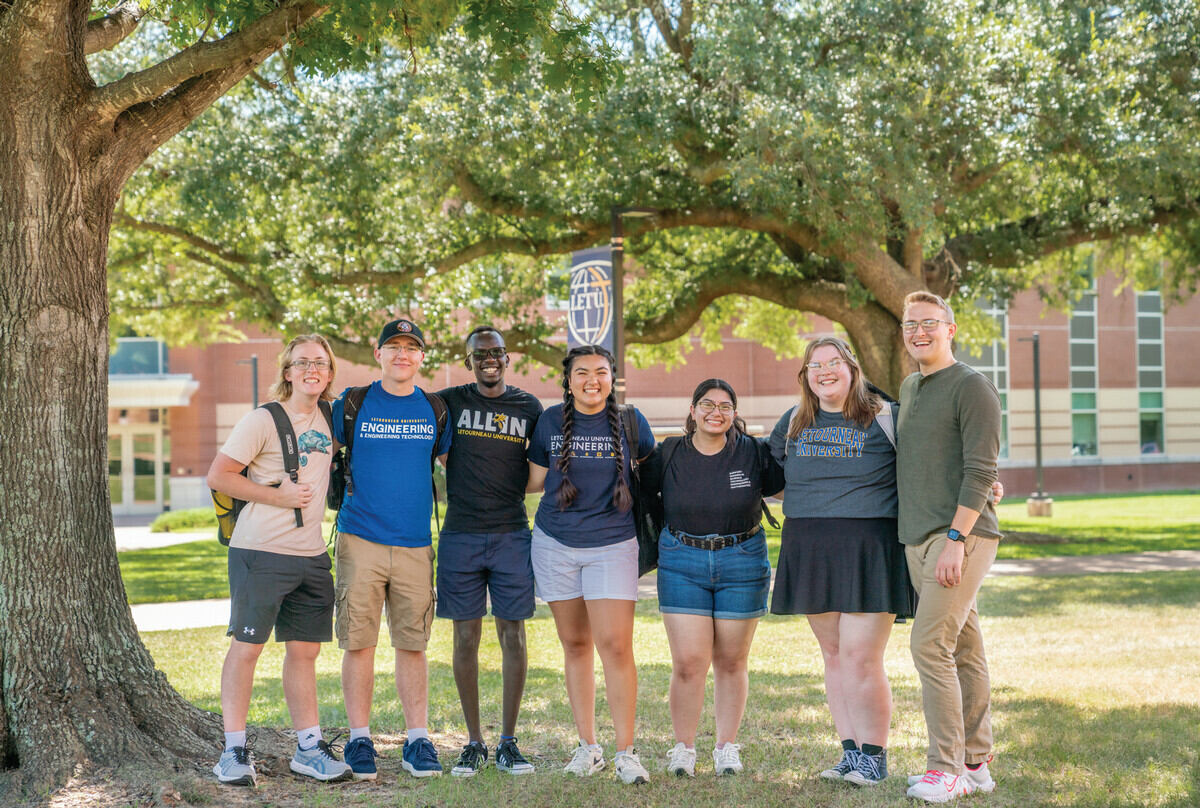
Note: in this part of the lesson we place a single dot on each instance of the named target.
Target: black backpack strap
(287, 441)
(352, 401)
(630, 427)
(441, 416)
(326, 410)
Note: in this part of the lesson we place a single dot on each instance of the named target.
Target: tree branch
(249, 45)
(663, 20)
(108, 31)
(123, 218)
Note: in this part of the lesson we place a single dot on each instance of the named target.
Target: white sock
(307, 738)
(360, 732)
(418, 734)
(233, 739)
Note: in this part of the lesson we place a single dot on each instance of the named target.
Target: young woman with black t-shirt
(585, 551)
(713, 572)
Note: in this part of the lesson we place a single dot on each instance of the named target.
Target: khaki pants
(947, 649)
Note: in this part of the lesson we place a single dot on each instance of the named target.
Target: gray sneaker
(320, 763)
(844, 766)
(236, 768)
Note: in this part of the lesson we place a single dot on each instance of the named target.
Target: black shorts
(292, 594)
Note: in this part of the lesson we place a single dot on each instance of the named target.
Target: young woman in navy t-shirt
(585, 551)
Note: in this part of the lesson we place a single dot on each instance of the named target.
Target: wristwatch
(954, 535)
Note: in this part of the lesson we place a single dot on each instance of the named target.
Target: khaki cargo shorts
(370, 576)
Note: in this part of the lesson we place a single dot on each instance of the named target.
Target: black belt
(713, 542)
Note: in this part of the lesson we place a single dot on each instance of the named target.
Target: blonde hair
(860, 405)
(281, 390)
(929, 297)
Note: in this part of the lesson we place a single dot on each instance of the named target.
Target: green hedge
(190, 519)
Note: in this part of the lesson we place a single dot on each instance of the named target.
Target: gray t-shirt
(836, 469)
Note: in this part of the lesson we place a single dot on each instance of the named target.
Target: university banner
(590, 315)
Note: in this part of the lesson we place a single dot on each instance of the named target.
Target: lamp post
(1039, 504)
(618, 279)
(253, 363)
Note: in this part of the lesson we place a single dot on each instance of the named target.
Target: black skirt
(842, 565)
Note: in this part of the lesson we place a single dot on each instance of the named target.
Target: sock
(849, 745)
(307, 738)
(504, 738)
(582, 742)
(972, 766)
(360, 732)
(871, 749)
(417, 734)
(233, 739)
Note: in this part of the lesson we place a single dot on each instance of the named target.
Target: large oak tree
(76, 684)
(824, 156)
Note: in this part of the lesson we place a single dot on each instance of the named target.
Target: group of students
(889, 513)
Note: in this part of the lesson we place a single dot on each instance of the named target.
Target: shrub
(189, 519)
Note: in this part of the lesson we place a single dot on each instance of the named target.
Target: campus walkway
(204, 613)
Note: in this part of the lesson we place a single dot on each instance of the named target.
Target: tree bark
(77, 685)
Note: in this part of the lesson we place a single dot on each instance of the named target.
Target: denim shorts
(727, 584)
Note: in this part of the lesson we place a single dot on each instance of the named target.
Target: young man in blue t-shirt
(384, 551)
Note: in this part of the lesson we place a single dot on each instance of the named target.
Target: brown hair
(860, 405)
(689, 424)
(929, 297)
(281, 390)
(622, 497)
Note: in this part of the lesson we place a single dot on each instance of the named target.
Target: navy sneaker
(360, 754)
(869, 770)
(420, 758)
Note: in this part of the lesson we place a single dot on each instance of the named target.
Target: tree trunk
(76, 684)
(875, 333)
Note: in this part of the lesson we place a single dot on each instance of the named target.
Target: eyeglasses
(305, 364)
(707, 405)
(488, 353)
(832, 364)
(407, 349)
(910, 326)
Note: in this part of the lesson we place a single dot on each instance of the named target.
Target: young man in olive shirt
(948, 441)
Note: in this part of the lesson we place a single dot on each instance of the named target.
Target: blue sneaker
(360, 754)
(320, 763)
(869, 770)
(420, 758)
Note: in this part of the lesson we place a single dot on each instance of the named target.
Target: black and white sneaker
(473, 758)
(509, 758)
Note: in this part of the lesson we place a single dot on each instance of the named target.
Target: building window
(138, 356)
(1150, 372)
(993, 363)
(1083, 375)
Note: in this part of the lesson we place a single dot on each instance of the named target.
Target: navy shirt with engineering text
(592, 520)
(486, 471)
(391, 500)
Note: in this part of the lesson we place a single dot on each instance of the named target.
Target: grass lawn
(1095, 698)
(1090, 525)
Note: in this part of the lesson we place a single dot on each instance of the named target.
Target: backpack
(648, 516)
(341, 478)
(229, 508)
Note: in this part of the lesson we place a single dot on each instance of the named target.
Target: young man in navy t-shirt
(384, 551)
(484, 545)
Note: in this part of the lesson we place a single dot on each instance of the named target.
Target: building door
(136, 468)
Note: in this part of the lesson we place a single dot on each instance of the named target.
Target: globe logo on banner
(590, 315)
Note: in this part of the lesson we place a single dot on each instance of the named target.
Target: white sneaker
(980, 778)
(936, 786)
(727, 759)
(681, 761)
(586, 761)
(630, 769)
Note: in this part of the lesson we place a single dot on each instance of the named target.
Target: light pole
(618, 280)
(1039, 504)
(253, 363)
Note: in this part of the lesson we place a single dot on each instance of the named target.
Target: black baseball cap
(401, 328)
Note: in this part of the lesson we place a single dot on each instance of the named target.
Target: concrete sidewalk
(139, 537)
(204, 613)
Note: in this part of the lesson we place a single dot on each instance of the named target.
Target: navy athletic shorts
(472, 566)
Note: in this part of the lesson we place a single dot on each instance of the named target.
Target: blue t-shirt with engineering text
(592, 520)
(391, 498)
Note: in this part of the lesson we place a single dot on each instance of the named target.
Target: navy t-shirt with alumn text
(592, 520)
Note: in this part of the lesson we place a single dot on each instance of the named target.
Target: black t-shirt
(719, 493)
(486, 470)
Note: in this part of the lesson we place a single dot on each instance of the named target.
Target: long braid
(566, 489)
(622, 498)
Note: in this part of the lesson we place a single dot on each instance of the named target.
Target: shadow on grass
(1030, 597)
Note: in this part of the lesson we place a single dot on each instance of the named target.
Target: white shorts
(592, 573)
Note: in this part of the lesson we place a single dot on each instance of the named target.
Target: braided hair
(567, 492)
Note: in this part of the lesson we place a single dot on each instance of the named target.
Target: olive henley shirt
(948, 438)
